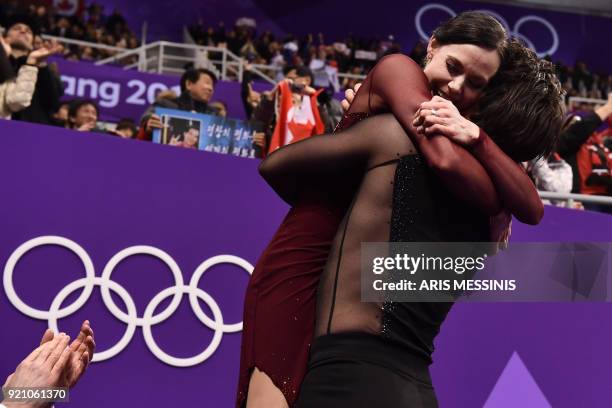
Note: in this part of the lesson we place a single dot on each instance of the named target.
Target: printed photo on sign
(181, 129)
(207, 132)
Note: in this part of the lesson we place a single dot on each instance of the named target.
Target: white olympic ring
(131, 319)
(514, 32)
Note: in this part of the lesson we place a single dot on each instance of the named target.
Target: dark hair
(78, 104)
(473, 27)
(192, 125)
(127, 124)
(304, 71)
(193, 75)
(288, 68)
(23, 19)
(522, 108)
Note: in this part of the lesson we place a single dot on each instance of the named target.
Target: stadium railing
(571, 198)
(164, 57)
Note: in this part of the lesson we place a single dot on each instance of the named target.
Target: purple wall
(127, 94)
(108, 194)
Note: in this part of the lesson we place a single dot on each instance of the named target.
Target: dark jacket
(6, 70)
(572, 139)
(46, 98)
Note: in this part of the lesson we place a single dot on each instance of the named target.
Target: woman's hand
(349, 95)
(440, 116)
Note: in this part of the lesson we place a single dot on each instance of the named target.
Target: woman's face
(460, 72)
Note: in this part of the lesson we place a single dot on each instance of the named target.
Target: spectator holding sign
(197, 88)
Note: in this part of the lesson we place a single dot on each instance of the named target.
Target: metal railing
(580, 99)
(70, 41)
(164, 57)
(570, 198)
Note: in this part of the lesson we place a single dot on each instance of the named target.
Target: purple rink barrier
(107, 194)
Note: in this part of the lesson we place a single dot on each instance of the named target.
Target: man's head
(522, 108)
(126, 128)
(83, 112)
(191, 136)
(199, 83)
(20, 36)
(62, 113)
(301, 76)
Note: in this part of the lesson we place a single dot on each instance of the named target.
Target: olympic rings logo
(130, 318)
(515, 31)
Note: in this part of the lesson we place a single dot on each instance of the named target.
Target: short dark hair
(23, 19)
(288, 68)
(193, 75)
(78, 104)
(304, 71)
(522, 108)
(127, 123)
(473, 27)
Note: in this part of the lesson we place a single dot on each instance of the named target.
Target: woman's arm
(397, 84)
(488, 183)
(517, 191)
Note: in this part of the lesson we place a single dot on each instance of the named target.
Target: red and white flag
(69, 7)
(295, 122)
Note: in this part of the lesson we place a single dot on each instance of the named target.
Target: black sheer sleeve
(296, 166)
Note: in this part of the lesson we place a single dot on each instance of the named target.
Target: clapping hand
(40, 55)
(81, 353)
(43, 368)
(349, 95)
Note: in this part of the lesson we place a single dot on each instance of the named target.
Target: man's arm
(577, 134)
(286, 169)
(50, 88)
(19, 92)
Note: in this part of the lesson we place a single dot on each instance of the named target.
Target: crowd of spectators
(353, 55)
(91, 25)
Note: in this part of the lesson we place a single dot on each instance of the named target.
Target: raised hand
(41, 54)
(349, 95)
(81, 352)
(44, 366)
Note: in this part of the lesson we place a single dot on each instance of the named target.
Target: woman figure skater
(320, 176)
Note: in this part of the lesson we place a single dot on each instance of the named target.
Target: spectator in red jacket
(595, 168)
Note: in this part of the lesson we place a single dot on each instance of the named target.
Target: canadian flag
(68, 7)
(296, 122)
